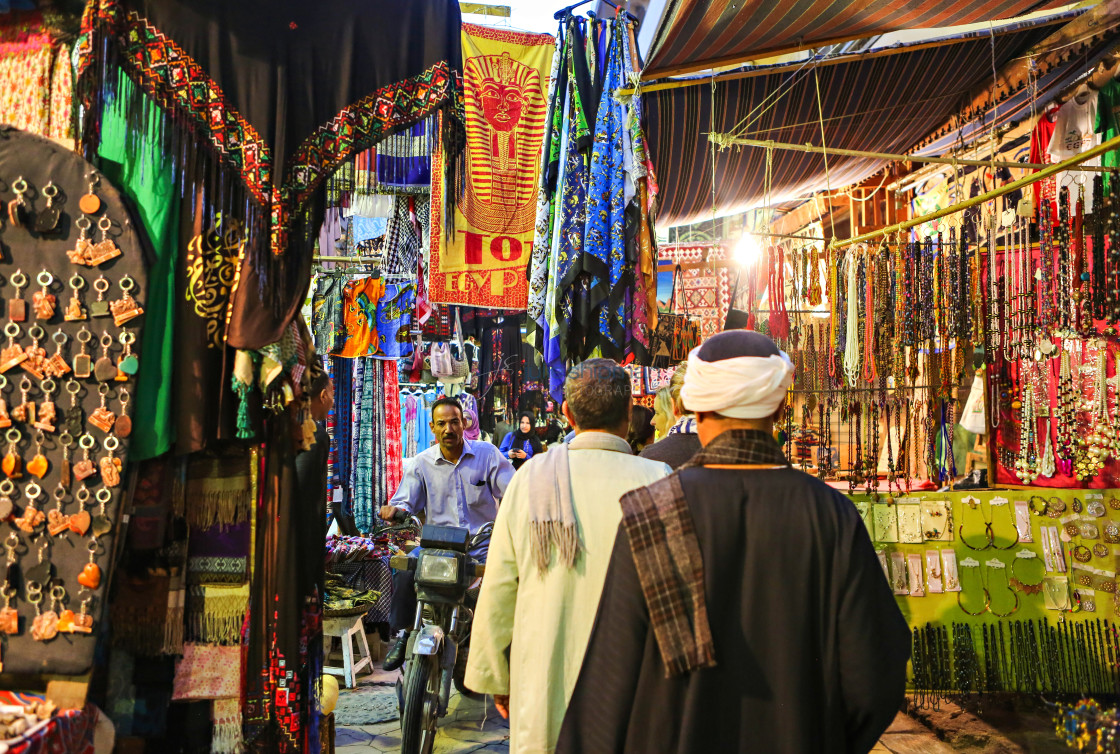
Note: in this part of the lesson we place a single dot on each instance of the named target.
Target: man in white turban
(744, 607)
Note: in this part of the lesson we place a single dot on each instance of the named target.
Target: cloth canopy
(695, 35)
(883, 104)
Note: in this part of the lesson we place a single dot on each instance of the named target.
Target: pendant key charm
(17, 307)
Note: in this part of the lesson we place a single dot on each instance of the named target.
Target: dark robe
(810, 646)
(675, 450)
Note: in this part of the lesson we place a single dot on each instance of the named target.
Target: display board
(1008, 590)
(72, 279)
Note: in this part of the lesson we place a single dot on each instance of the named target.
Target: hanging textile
(132, 161)
(271, 147)
(283, 656)
(36, 89)
(504, 88)
(701, 292)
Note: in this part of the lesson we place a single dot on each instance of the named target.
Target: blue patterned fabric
(394, 320)
(604, 237)
(343, 373)
(363, 461)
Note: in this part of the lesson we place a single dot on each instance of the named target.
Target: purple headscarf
(471, 418)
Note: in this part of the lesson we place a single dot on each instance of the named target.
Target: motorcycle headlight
(437, 569)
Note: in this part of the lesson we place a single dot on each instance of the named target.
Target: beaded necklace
(834, 328)
(993, 341)
(870, 370)
(1095, 449)
(871, 456)
(778, 320)
(1113, 285)
(1026, 467)
(1079, 287)
(1065, 413)
(814, 291)
(1045, 291)
(1099, 286)
(1063, 300)
(852, 352)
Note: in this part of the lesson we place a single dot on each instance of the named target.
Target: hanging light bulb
(748, 250)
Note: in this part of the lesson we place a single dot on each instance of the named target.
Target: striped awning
(882, 104)
(695, 35)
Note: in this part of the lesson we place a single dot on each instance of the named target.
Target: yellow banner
(505, 91)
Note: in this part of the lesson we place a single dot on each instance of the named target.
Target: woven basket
(359, 609)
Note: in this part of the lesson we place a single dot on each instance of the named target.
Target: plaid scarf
(667, 553)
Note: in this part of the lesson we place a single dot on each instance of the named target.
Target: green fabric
(1108, 119)
(134, 162)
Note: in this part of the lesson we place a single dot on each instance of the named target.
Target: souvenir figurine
(80, 253)
(85, 468)
(43, 301)
(126, 309)
(74, 310)
(110, 464)
(102, 417)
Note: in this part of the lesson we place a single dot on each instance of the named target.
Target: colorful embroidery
(176, 81)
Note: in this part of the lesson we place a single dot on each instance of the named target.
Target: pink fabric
(205, 673)
(394, 465)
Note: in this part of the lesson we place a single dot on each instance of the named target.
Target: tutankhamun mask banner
(505, 87)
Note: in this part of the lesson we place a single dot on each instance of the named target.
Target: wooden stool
(345, 629)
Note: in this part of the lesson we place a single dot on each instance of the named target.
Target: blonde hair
(675, 386)
(663, 403)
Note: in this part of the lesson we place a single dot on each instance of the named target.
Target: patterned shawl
(666, 551)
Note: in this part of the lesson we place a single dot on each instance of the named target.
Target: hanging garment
(359, 317)
(131, 159)
(274, 143)
(604, 234)
(326, 312)
(283, 659)
(394, 321)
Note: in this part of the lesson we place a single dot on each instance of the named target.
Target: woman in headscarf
(522, 444)
(471, 430)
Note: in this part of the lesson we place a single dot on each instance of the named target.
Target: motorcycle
(435, 656)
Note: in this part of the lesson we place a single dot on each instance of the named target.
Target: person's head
(736, 380)
(641, 428)
(662, 411)
(322, 396)
(525, 422)
(471, 430)
(597, 397)
(676, 384)
(447, 424)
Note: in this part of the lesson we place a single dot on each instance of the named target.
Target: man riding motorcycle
(457, 482)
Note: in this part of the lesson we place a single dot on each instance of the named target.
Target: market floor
(476, 727)
(469, 727)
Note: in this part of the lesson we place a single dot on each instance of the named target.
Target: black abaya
(811, 648)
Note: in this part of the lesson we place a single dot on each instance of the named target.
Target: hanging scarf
(217, 490)
(604, 235)
(666, 551)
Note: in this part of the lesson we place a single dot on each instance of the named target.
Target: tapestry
(703, 293)
(505, 81)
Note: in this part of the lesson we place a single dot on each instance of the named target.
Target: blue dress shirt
(463, 494)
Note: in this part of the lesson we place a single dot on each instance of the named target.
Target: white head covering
(747, 378)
